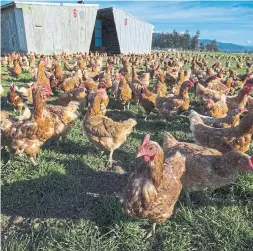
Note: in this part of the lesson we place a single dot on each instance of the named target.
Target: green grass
(71, 200)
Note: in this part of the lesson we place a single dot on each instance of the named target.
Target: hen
(71, 82)
(41, 78)
(63, 117)
(239, 100)
(204, 93)
(135, 86)
(154, 187)
(250, 103)
(68, 66)
(232, 119)
(78, 94)
(160, 86)
(169, 106)
(115, 85)
(224, 140)
(16, 70)
(26, 92)
(206, 167)
(14, 97)
(58, 73)
(124, 92)
(103, 132)
(182, 77)
(26, 137)
(215, 110)
(147, 101)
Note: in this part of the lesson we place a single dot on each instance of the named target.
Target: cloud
(224, 21)
(248, 41)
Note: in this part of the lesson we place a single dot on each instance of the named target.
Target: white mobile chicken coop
(120, 32)
(56, 27)
(47, 27)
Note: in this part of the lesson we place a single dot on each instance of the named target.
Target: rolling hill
(230, 47)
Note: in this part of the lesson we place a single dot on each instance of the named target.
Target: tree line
(184, 41)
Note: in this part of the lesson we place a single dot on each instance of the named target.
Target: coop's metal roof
(46, 3)
(116, 9)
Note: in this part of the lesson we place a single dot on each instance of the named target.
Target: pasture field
(71, 201)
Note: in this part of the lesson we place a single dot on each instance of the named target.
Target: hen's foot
(150, 232)
(8, 161)
(109, 163)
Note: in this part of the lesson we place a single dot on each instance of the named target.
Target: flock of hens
(222, 127)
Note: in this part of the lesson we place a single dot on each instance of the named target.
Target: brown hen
(224, 140)
(103, 132)
(206, 167)
(154, 187)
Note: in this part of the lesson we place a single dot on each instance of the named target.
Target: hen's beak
(140, 154)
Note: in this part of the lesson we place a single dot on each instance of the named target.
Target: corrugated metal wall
(12, 30)
(56, 28)
(134, 35)
(48, 28)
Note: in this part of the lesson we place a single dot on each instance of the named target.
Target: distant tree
(195, 41)
(212, 46)
(170, 43)
(186, 38)
(176, 40)
(202, 46)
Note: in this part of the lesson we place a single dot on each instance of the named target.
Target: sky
(225, 21)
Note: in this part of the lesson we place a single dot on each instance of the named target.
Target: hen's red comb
(191, 80)
(102, 84)
(249, 85)
(146, 140)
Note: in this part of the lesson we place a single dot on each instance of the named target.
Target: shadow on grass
(68, 146)
(81, 193)
(84, 193)
(18, 81)
(121, 115)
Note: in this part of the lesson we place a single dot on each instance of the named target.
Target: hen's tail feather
(193, 114)
(194, 120)
(168, 140)
(177, 160)
(129, 124)
(73, 106)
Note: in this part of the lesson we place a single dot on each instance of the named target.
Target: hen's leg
(59, 140)
(150, 231)
(109, 163)
(128, 106)
(33, 160)
(147, 115)
(188, 199)
(8, 161)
